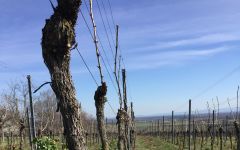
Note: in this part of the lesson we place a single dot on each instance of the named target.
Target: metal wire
(87, 66)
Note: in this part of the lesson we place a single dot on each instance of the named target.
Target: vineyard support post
(152, 128)
(31, 107)
(189, 126)
(213, 125)
(29, 130)
(237, 132)
(194, 135)
(212, 133)
(163, 129)
(221, 137)
(226, 126)
(127, 129)
(172, 128)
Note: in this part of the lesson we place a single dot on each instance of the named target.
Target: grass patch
(153, 143)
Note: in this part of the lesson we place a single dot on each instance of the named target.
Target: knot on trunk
(58, 36)
(100, 93)
(122, 116)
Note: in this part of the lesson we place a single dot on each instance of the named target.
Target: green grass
(142, 143)
(153, 143)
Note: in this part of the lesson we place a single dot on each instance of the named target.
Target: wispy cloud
(202, 40)
(194, 41)
(166, 58)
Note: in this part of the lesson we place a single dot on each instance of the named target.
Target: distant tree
(3, 119)
(45, 112)
(14, 118)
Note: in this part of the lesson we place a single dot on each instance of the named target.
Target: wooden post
(172, 128)
(127, 130)
(237, 105)
(182, 132)
(132, 133)
(124, 89)
(163, 134)
(156, 128)
(194, 135)
(29, 130)
(213, 125)
(213, 131)
(152, 128)
(31, 107)
(221, 137)
(149, 128)
(168, 132)
(189, 126)
(226, 128)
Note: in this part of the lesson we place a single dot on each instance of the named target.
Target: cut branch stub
(100, 100)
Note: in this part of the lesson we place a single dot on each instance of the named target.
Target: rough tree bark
(127, 120)
(132, 129)
(237, 132)
(101, 91)
(99, 103)
(121, 116)
(57, 40)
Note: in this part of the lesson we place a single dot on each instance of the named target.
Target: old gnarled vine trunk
(100, 100)
(121, 115)
(57, 40)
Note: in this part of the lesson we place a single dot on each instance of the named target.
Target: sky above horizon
(173, 51)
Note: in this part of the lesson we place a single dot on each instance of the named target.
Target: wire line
(111, 14)
(87, 66)
(102, 48)
(217, 82)
(105, 29)
(105, 11)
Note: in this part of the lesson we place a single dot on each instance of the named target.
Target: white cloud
(165, 58)
(197, 41)
(203, 40)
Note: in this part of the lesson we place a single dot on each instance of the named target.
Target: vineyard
(212, 129)
(75, 63)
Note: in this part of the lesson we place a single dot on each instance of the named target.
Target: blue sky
(172, 49)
